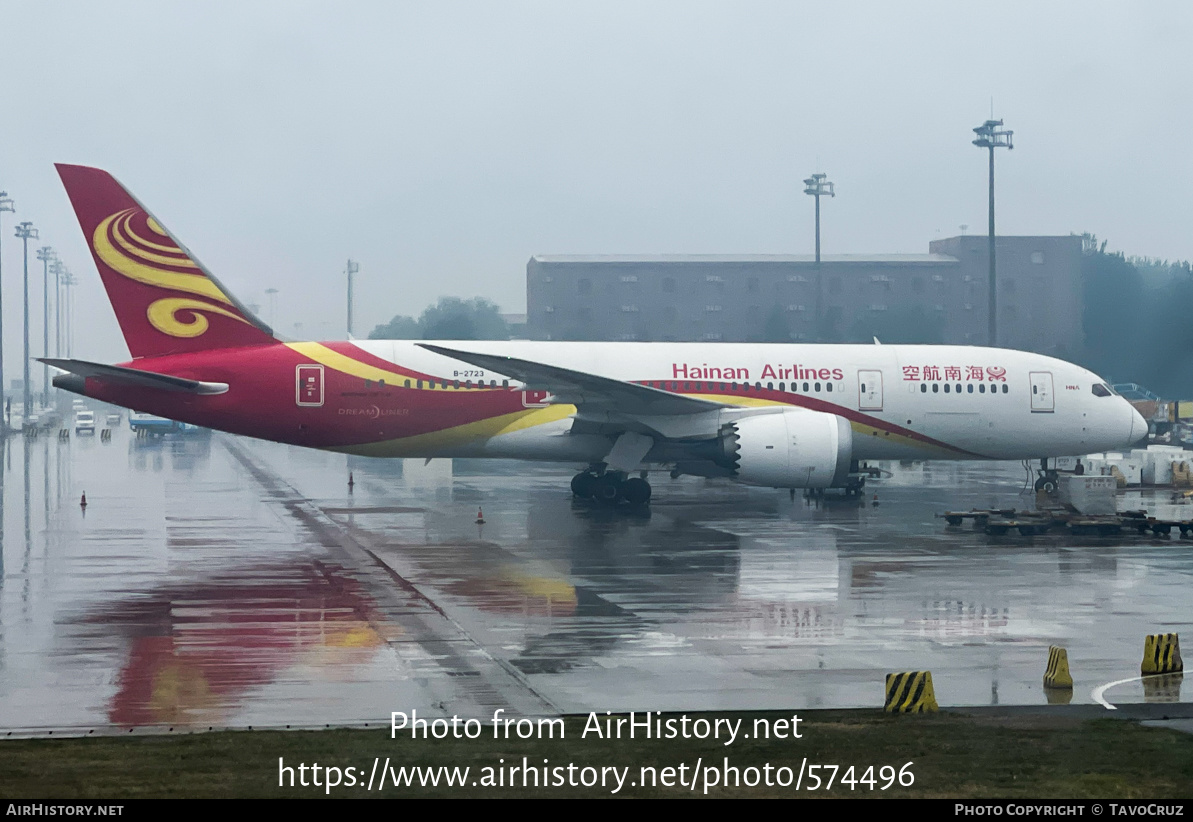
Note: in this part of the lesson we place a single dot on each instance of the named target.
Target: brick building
(942, 295)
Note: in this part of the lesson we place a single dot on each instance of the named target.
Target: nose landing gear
(1047, 479)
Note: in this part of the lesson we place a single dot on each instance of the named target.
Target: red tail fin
(165, 301)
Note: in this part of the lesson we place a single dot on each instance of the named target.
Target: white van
(84, 422)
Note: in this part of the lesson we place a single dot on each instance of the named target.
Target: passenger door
(1041, 392)
(869, 389)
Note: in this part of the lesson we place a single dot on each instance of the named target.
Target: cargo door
(1041, 392)
(308, 389)
(869, 389)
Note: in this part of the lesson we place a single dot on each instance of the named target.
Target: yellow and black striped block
(1161, 654)
(1057, 673)
(910, 692)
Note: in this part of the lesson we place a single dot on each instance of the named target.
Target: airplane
(790, 416)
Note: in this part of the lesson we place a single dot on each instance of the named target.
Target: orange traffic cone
(480, 517)
(875, 500)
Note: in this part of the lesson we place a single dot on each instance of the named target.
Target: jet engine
(792, 449)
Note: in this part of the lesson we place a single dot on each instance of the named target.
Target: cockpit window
(1101, 390)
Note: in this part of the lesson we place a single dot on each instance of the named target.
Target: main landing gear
(611, 487)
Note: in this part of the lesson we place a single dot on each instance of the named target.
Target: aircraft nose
(1138, 425)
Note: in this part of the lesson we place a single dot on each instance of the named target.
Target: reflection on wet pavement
(219, 582)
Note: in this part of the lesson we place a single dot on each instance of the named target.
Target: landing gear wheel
(1047, 483)
(607, 489)
(583, 485)
(636, 491)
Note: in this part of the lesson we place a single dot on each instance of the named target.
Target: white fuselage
(902, 401)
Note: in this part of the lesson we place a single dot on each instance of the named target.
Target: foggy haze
(442, 144)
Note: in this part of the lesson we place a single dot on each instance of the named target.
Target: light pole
(350, 270)
(46, 255)
(58, 270)
(992, 136)
(68, 280)
(27, 232)
(818, 185)
(271, 292)
(5, 205)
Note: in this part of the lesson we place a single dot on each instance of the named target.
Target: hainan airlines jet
(783, 416)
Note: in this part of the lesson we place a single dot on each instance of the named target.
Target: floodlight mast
(5, 205)
(991, 135)
(816, 186)
(350, 270)
(27, 232)
(47, 256)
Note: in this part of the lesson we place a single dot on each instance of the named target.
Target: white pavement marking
(1096, 693)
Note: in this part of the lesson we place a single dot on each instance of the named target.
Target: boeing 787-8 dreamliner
(785, 416)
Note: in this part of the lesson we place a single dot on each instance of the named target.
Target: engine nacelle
(791, 449)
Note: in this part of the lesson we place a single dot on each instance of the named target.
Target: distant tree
(399, 328)
(1114, 317)
(451, 318)
(1136, 321)
(455, 319)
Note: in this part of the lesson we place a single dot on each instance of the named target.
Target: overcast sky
(441, 144)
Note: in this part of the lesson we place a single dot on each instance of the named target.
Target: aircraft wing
(131, 376)
(587, 392)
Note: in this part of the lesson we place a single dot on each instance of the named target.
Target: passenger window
(770, 386)
(1005, 389)
(805, 388)
(817, 387)
(958, 388)
(946, 388)
(982, 388)
(407, 383)
(935, 388)
(969, 388)
(420, 384)
(505, 383)
(828, 386)
(923, 388)
(782, 386)
(380, 383)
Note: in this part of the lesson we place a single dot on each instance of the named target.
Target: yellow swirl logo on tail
(163, 315)
(143, 260)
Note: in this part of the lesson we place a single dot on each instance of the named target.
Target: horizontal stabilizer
(583, 389)
(131, 376)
